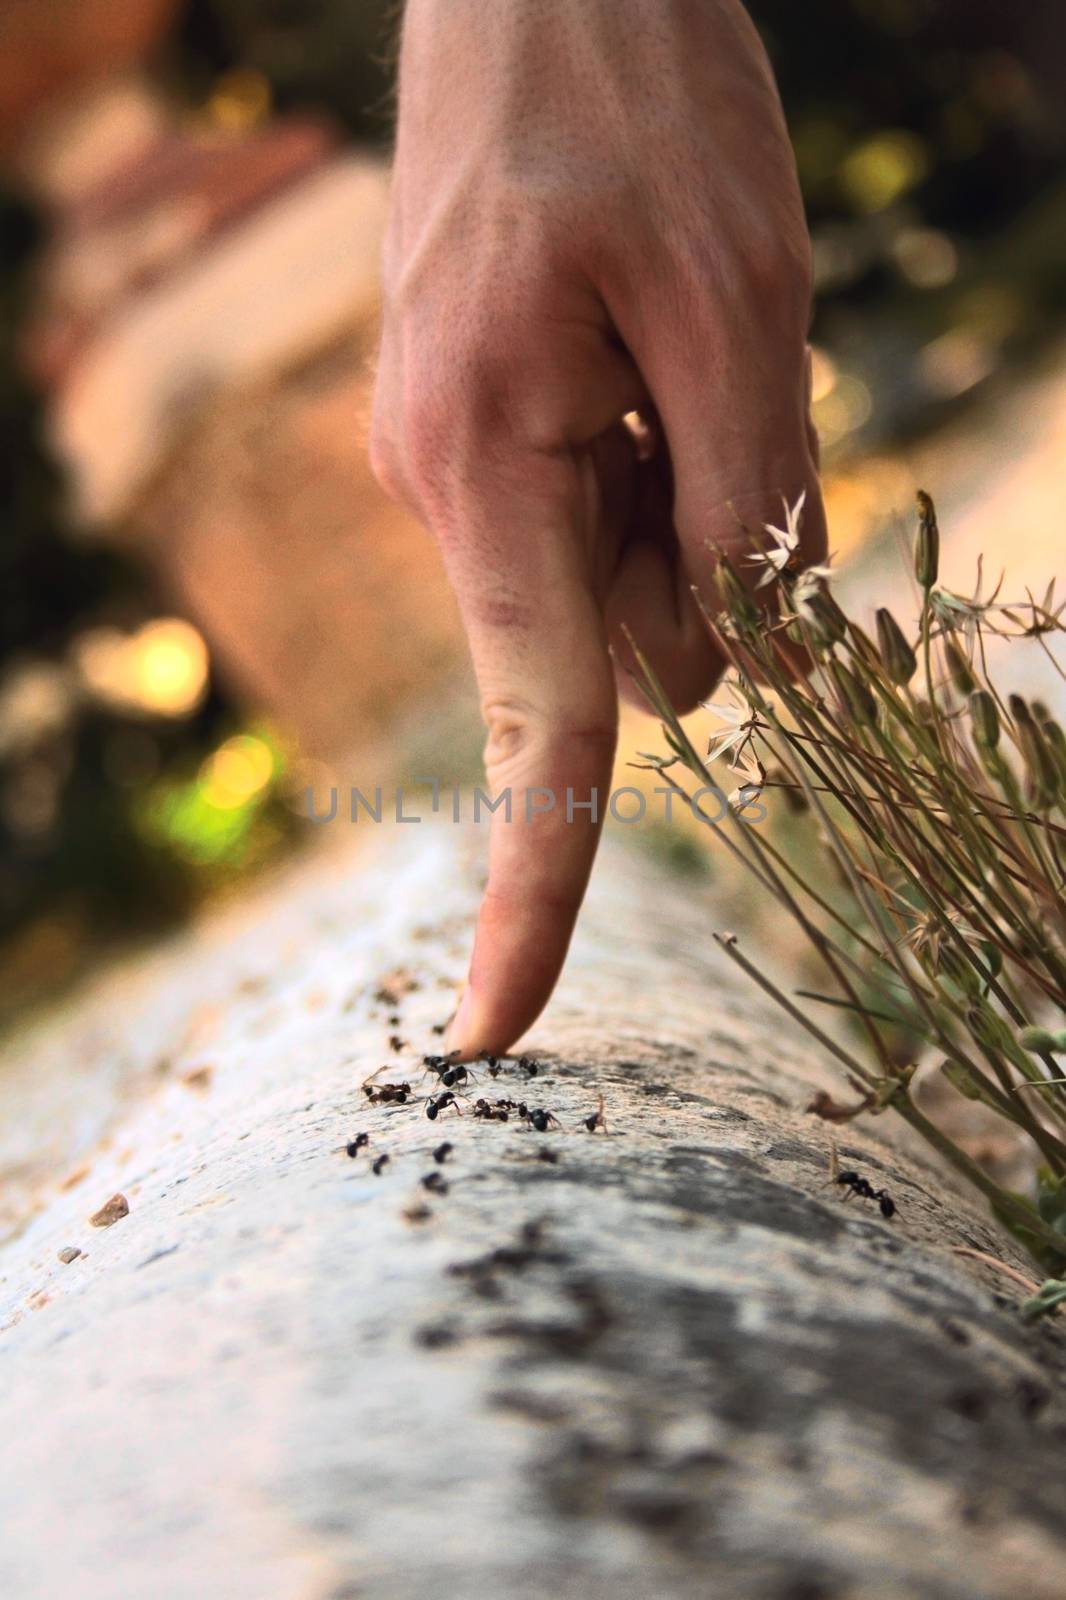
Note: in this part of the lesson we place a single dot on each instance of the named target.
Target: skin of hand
(595, 211)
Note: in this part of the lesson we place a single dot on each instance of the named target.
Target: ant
(378, 1167)
(596, 1119)
(442, 1152)
(388, 1094)
(353, 1147)
(435, 1183)
(396, 1043)
(865, 1189)
(497, 1113)
(529, 1066)
(539, 1119)
(435, 1107)
(454, 1075)
(444, 1066)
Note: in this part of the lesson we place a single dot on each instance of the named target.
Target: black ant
(378, 1167)
(454, 1075)
(596, 1119)
(442, 1152)
(539, 1119)
(353, 1147)
(388, 1094)
(396, 1043)
(528, 1065)
(497, 1113)
(435, 1107)
(443, 1066)
(435, 1183)
(865, 1189)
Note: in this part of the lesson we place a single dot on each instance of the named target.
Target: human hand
(595, 212)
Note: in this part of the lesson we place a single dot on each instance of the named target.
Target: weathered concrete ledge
(665, 1362)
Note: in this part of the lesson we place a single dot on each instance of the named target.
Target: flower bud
(900, 661)
(959, 668)
(989, 1029)
(1040, 1040)
(739, 603)
(859, 701)
(927, 546)
(1056, 743)
(1040, 766)
(984, 716)
(865, 648)
(816, 608)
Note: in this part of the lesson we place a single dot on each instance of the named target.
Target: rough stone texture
(669, 1363)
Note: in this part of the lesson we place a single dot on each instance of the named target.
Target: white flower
(741, 722)
(958, 612)
(786, 542)
(754, 778)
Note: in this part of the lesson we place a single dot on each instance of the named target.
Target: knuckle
(523, 738)
(510, 728)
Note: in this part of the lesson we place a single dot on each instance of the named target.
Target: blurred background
(205, 603)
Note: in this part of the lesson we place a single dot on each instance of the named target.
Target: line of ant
(457, 1081)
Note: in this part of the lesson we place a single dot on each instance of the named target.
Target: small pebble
(115, 1209)
(68, 1254)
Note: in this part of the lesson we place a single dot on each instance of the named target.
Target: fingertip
(466, 1036)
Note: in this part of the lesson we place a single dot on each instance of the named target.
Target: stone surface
(665, 1361)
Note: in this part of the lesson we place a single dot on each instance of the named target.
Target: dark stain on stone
(538, 1408)
(809, 1588)
(1033, 1397)
(436, 1336)
(570, 1337)
(804, 1154)
(157, 1255)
